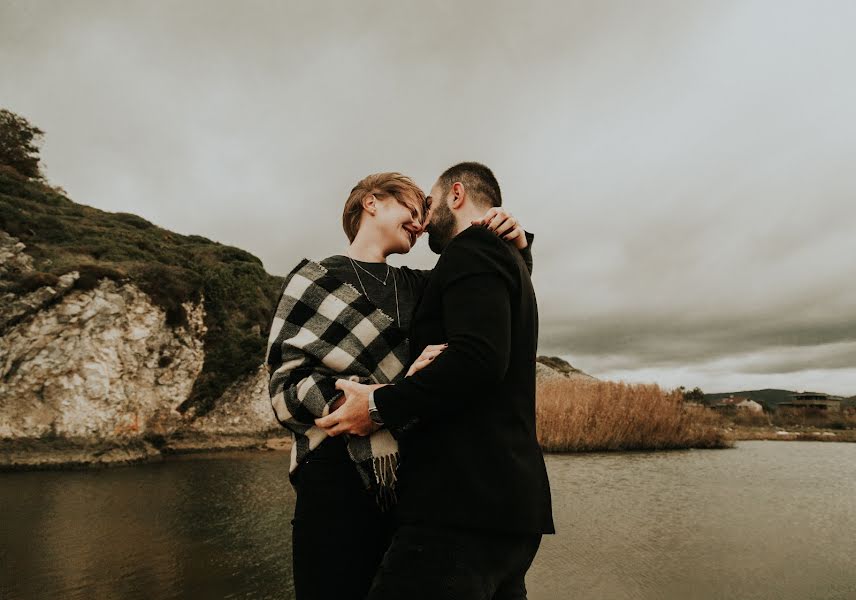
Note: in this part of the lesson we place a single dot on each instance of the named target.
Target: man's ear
(459, 195)
(369, 203)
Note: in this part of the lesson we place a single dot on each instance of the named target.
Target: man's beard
(441, 229)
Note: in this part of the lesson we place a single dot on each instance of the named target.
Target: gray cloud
(790, 360)
(686, 167)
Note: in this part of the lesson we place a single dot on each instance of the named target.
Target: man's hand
(426, 358)
(504, 225)
(352, 415)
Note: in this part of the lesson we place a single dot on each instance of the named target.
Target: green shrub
(133, 220)
(33, 281)
(92, 274)
(169, 287)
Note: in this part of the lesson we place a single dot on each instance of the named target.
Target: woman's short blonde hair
(396, 185)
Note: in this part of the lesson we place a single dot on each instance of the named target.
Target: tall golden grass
(583, 415)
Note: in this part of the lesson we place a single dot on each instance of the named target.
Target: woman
(347, 317)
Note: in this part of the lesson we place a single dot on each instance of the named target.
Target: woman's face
(399, 222)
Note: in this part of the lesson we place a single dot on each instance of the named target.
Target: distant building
(814, 400)
(737, 403)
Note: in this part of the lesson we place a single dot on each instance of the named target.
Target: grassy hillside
(63, 236)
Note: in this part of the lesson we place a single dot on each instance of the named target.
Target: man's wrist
(374, 413)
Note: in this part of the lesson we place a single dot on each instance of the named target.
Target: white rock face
(13, 259)
(544, 373)
(103, 365)
(244, 408)
(99, 364)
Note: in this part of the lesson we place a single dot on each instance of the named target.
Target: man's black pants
(454, 564)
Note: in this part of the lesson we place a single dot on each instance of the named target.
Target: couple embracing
(410, 395)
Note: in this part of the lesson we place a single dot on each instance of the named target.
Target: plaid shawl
(325, 330)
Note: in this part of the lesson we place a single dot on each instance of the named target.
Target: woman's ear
(370, 204)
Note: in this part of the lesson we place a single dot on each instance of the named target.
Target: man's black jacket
(466, 423)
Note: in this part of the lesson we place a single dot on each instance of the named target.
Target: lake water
(765, 520)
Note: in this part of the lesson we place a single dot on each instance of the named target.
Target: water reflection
(771, 520)
(763, 520)
(213, 528)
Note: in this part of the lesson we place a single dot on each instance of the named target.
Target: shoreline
(59, 454)
(791, 434)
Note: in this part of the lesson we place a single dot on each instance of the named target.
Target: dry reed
(582, 415)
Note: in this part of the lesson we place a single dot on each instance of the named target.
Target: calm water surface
(765, 520)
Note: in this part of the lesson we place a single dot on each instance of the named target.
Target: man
(474, 498)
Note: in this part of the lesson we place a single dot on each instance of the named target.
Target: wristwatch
(374, 413)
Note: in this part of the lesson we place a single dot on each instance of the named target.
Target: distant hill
(770, 398)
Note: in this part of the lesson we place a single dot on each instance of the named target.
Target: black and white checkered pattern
(325, 330)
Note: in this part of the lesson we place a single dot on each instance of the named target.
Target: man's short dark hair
(478, 180)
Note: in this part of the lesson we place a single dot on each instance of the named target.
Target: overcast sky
(687, 167)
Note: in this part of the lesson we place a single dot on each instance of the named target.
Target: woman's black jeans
(339, 535)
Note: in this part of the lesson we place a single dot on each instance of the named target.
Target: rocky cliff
(120, 340)
(99, 375)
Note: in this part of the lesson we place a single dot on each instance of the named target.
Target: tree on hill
(694, 395)
(19, 144)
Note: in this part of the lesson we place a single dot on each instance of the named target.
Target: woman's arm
(298, 393)
(301, 389)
